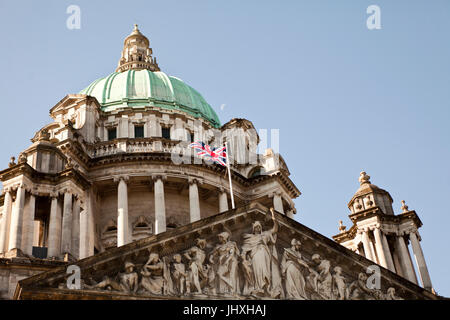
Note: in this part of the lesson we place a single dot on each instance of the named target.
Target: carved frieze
(250, 254)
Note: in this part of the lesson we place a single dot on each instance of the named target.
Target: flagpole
(229, 176)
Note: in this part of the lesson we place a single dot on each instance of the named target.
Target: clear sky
(345, 98)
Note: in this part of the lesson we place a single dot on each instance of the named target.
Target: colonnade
(18, 229)
(398, 259)
(160, 207)
(70, 224)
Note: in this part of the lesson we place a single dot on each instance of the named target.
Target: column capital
(32, 190)
(410, 231)
(274, 193)
(7, 190)
(195, 180)
(123, 178)
(156, 177)
(68, 190)
(15, 186)
(54, 195)
(377, 226)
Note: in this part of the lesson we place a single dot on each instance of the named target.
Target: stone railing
(127, 145)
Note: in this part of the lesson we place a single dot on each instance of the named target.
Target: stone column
(194, 202)
(379, 247)
(405, 260)
(223, 201)
(28, 226)
(54, 232)
(36, 232)
(278, 203)
(6, 217)
(66, 242)
(122, 212)
(387, 253)
(366, 244)
(420, 261)
(160, 206)
(87, 226)
(76, 228)
(372, 248)
(15, 236)
(398, 265)
(84, 241)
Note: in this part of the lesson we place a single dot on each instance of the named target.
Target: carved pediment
(246, 253)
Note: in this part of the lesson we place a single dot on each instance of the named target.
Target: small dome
(140, 88)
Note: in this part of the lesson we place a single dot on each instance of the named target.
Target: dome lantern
(136, 53)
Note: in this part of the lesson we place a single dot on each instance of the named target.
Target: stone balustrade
(128, 145)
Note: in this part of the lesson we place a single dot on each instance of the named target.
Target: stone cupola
(369, 196)
(136, 53)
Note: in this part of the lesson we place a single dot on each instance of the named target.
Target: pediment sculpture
(251, 268)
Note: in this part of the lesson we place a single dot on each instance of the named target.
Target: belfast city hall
(112, 201)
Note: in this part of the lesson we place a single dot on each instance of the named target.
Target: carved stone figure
(129, 280)
(358, 289)
(320, 278)
(259, 270)
(292, 266)
(155, 278)
(259, 254)
(107, 283)
(224, 261)
(198, 273)
(180, 275)
(339, 287)
(390, 294)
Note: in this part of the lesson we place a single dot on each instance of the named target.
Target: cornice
(41, 177)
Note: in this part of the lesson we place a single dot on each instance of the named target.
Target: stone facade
(104, 174)
(113, 185)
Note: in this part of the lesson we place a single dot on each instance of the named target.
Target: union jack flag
(218, 155)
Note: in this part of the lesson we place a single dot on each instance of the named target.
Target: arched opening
(255, 172)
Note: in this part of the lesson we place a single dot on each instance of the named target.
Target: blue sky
(345, 98)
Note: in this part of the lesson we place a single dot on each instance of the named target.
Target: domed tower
(104, 172)
(136, 53)
(381, 236)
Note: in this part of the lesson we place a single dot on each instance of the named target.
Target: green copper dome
(139, 88)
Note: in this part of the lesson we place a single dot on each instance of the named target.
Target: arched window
(255, 172)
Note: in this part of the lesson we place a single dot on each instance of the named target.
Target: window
(192, 137)
(256, 172)
(139, 131)
(166, 133)
(112, 133)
